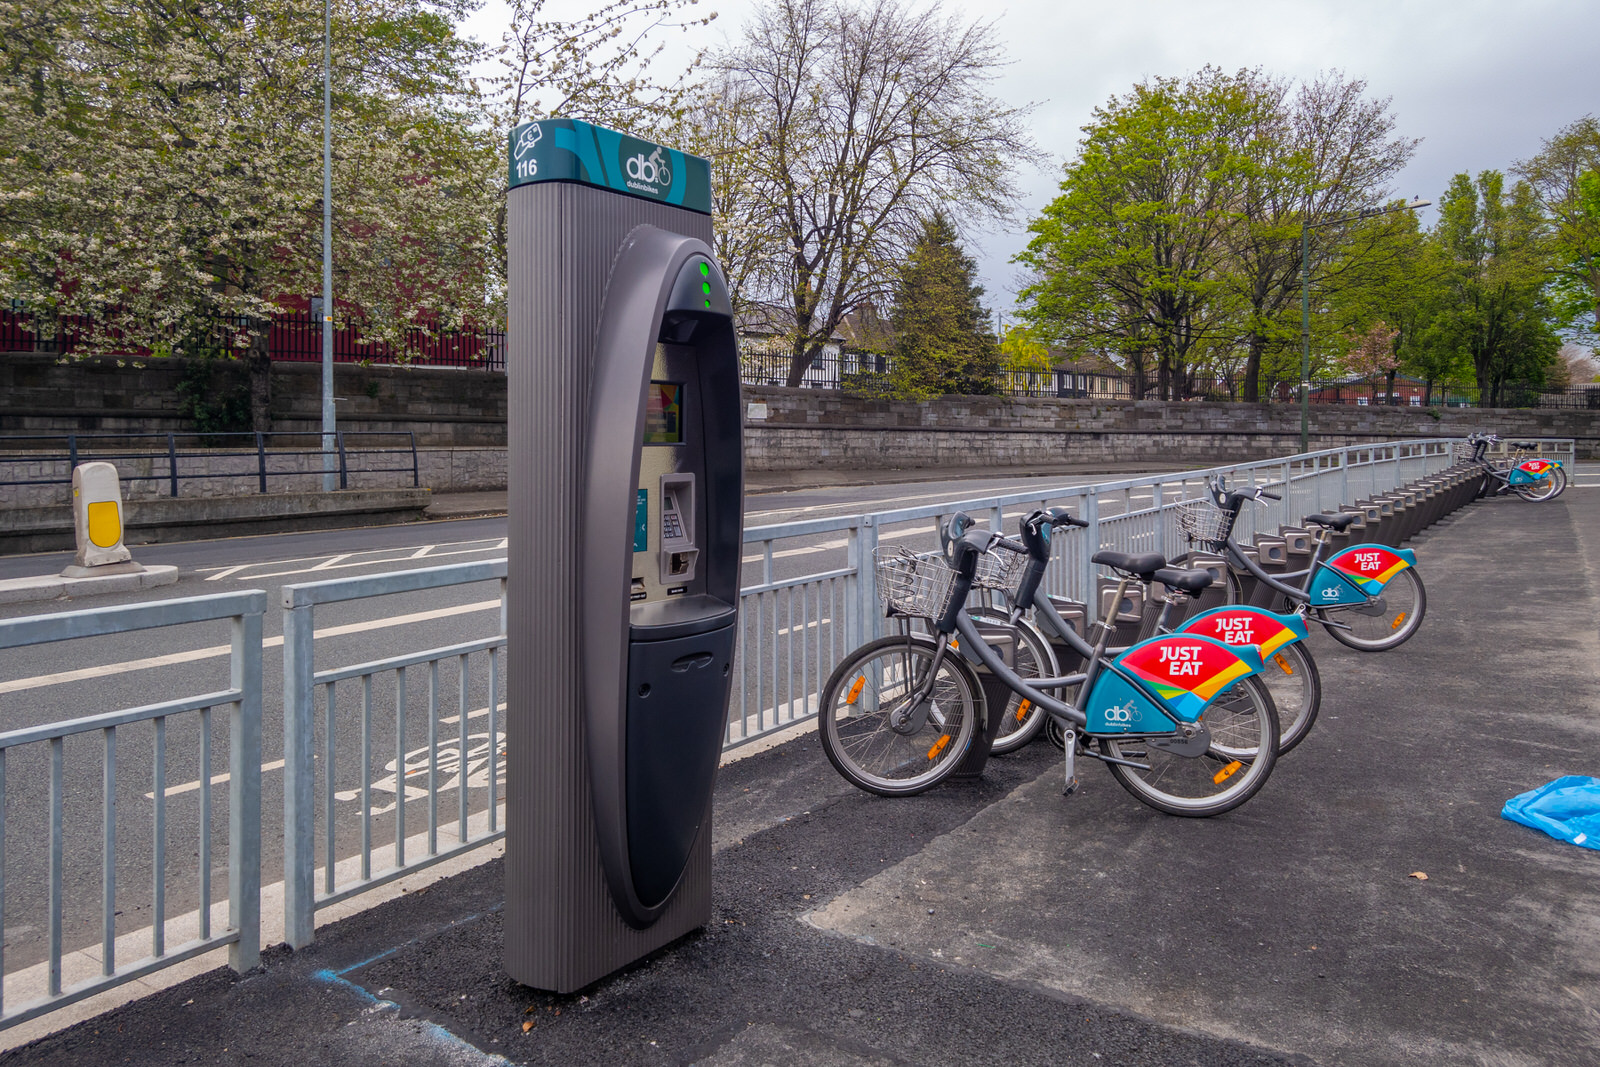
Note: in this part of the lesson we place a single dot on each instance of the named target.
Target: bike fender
(1237, 624)
(1183, 672)
(1358, 572)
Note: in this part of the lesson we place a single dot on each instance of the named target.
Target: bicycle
(1368, 597)
(1180, 720)
(1533, 478)
(1288, 670)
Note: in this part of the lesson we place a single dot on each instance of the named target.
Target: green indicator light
(705, 269)
(705, 287)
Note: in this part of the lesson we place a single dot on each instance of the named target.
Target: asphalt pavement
(998, 922)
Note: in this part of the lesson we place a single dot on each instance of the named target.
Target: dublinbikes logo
(648, 174)
(527, 138)
(1126, 715)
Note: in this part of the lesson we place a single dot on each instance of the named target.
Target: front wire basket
(1204, 523)
(912, 585)
(999, 568)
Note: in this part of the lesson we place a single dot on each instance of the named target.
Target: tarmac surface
(998, 922)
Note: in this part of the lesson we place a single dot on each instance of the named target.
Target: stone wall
(443, 406)
(459, 419)
(805, 429)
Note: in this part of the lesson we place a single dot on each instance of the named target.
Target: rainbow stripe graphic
(1186, 671)
(1369, 567)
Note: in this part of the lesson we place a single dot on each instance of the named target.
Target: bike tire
(1545, 488)
(1234, 767)
(873, 684)
(1022, 719)
(1291, 676)
(1405, 602)
(1561, 482)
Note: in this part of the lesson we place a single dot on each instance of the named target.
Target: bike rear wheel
(1545, 488)
(1236, 764)
(874, 731)
(1382, 626)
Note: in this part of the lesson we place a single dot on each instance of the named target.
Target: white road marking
(42, 680)
(806, 626)
(423, 551)
(331, 560)
(477, 714)
(334, 564)
(216, 779)
(224, 572)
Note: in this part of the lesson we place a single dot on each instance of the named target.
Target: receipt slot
(626, 498)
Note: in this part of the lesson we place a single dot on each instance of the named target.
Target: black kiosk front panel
(625, 476)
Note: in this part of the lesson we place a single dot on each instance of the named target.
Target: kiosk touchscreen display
(663, 414)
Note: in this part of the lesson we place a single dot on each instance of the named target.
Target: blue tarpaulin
(1567, 809)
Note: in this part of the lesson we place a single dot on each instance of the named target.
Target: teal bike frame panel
(1359, 572)
(1118, 707)
(566, 150)
(1179, 673)
(1531, 471)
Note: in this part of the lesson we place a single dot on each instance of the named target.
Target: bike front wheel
(1023, 719)
(1291, 676)
(1232, 769)
(1383, 625)
(894, 725)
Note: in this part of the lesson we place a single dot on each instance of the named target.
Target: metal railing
(793, 631)
(301, 681)
(249, 458)
(242, 698)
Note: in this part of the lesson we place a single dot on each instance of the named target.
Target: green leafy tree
(1565, 179)
(1126, 260)
(941, 344)
(1496, 264)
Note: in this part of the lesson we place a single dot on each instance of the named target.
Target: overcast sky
(1482, 82)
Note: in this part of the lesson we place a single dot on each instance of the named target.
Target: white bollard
(97, 517)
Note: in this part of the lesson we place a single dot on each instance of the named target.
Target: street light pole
(330, 477)
(1305, 337)
(1305, 303)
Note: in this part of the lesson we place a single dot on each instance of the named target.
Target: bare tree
(1318, 155)
(856, 123)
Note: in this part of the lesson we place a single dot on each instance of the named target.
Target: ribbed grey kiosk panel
(562, 930)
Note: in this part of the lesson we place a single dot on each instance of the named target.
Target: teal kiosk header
(626, 497)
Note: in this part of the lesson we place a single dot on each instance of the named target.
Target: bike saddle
(1193, 582)
(1144, 564)
(1336, 522)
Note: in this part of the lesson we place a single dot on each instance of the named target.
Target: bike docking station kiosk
(626, 525)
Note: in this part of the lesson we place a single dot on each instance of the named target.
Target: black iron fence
(165, 461)
(292, 336)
